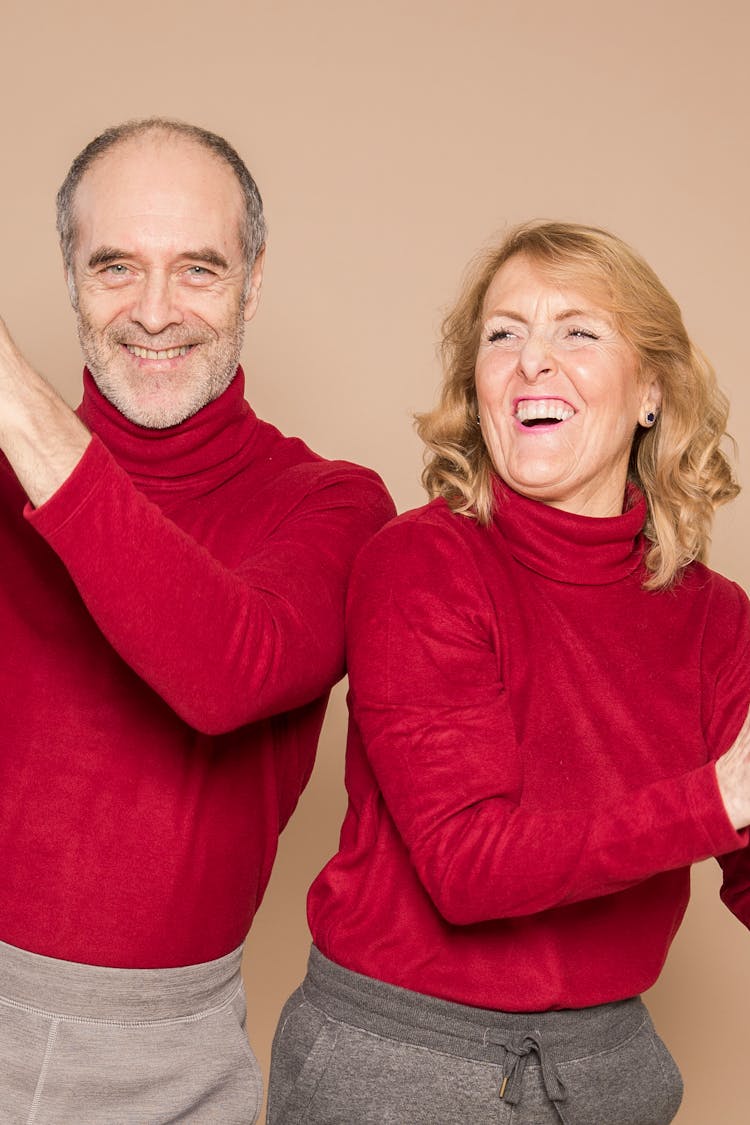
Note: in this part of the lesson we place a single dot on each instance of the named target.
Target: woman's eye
(582, 334)
(498, 335)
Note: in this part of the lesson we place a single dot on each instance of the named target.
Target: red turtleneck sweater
(172, 620)
(529, 762)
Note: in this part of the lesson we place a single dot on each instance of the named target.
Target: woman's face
(558, 392)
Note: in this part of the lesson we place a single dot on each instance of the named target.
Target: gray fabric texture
(353, 1051)
(84, 1045)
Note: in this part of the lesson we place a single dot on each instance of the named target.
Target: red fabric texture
(172, 622)
(530, 758)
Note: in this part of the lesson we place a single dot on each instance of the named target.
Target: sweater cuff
(74, 492)
(707, 807)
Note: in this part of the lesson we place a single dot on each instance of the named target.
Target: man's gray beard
(209, 386)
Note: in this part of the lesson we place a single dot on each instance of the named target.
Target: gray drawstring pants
(350, 1050)
(84, 1045)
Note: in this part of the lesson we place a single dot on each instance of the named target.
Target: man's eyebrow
(207, 255)
(106, 255)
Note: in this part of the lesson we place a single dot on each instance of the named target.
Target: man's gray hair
(253, 233)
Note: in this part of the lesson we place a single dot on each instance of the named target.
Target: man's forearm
(39, 433)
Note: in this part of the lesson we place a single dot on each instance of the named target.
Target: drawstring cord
(517, 1052)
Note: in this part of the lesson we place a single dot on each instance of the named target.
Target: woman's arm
(733, 778)
(439, 734)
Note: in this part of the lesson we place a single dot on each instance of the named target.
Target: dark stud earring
(650, 418)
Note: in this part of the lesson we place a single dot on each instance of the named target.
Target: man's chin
(164, 409)
(157, 418)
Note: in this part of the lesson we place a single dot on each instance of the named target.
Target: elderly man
(171, 611)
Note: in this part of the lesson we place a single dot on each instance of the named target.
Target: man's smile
(150, 353)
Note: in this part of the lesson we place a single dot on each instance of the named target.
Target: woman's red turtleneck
(172, 622)
(530, 758)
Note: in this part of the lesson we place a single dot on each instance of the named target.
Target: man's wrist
(39, 433)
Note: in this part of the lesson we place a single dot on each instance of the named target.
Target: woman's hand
(733, 776)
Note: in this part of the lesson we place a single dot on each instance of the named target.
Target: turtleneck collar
(205, 449)
(582, 550)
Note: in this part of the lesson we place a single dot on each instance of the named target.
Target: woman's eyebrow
(597, 314)
(511, 315)
(564, 314)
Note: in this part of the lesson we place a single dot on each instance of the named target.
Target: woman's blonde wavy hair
(678, 463)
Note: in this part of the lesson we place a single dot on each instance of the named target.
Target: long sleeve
(223, 643)
(177, 587)
(726, 660)
(432, 707)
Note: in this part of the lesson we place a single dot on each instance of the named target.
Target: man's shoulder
(293, 466)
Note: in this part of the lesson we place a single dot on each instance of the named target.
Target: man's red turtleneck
(172, 623)
(530, 758)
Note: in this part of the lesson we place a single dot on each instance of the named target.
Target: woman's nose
(535, 358)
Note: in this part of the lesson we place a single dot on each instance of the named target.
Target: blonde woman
(545, 683)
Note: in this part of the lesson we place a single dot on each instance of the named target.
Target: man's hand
(733, 776)
(39, 434)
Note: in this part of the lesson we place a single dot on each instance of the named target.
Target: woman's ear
(650, 402)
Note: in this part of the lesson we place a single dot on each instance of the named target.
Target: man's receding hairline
(144, 138)
(160, 133)
(160, 130)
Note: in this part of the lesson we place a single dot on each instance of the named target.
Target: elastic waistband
(66, 989)
(412, 1017)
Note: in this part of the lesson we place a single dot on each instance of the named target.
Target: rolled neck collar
(582, 550)
(215, 442)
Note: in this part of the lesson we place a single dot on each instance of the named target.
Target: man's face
(159, 274)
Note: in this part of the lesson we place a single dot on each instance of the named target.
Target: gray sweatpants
(350, 1050)
(83, 1045)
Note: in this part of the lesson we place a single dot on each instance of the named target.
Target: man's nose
(156, 306)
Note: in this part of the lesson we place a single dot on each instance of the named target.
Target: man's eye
(199, 271)
(117, 269)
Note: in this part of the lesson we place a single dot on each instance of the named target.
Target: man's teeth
(551, 409)
(148, 353)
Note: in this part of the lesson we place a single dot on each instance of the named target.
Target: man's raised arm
(39, 433)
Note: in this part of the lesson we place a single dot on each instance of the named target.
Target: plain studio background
(391, 141)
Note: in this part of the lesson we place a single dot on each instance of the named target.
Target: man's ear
(254, 284)
(70, 282)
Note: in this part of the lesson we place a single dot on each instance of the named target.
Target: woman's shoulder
(422, 531)
(720, 607)
(429, 549)
(698, 578)
(435, 518)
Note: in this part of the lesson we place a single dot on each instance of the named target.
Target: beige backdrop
(390, 140)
